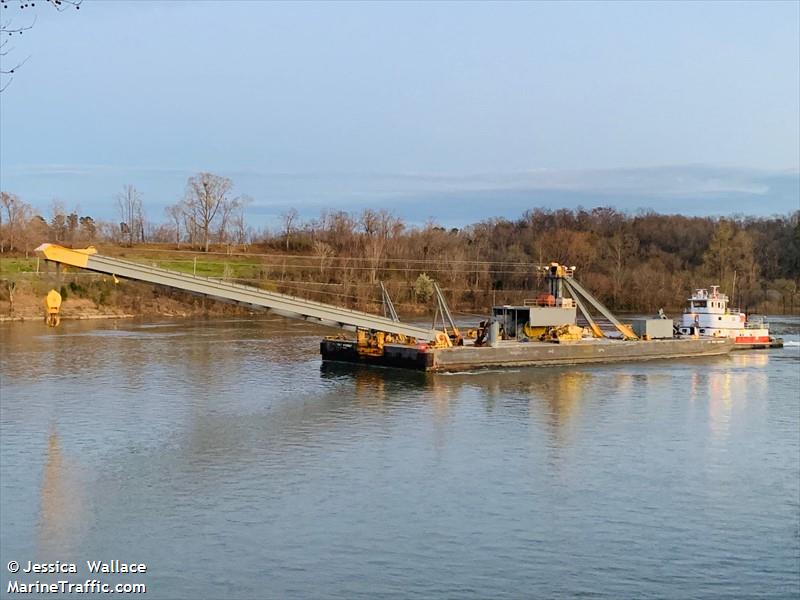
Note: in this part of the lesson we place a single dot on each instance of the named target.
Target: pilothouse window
(699, 304)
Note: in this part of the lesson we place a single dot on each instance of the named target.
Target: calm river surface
(225, 457)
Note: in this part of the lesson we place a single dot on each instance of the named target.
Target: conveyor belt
(281, 304)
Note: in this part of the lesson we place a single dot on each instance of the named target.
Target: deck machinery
(501, 341)
(551, 312)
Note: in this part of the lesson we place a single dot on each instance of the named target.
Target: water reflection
(549, 398)
(63, 515)
(757, 358)
(723, 392)
(561, 395)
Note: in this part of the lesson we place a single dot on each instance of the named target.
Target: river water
(224, 456)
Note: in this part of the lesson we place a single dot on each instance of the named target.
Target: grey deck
(513, 354)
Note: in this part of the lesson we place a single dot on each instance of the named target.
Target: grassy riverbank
(91, 296)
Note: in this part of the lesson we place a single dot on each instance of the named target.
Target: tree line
(634, 262)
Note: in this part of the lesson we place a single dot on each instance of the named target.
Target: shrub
(423, 288)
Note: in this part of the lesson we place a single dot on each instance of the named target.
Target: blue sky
(453, 111)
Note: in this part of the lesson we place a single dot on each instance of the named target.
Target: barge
(541, 332)
(522, 354)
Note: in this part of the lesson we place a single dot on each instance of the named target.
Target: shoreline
(26, 318)
(103, 298)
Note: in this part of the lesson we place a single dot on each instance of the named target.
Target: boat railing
(551, 302)
(537, 302)
(756, 323)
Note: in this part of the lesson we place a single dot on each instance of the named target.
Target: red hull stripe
(761, 339)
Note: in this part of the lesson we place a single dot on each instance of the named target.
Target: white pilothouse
(708, 315)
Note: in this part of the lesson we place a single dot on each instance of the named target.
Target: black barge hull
(522, 354)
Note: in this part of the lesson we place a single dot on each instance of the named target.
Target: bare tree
(58, 220)
(227, 215)
(8, 29)
(175, 214)
(207, 199)
(240, 230)
(131, 214)
(17, 215)
(380, 227)
(36, 231)
(324, 253)
(289, 218)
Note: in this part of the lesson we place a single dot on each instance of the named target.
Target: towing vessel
(707, 314)
(544, 331)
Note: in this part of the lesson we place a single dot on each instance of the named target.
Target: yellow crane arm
(67, 256)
